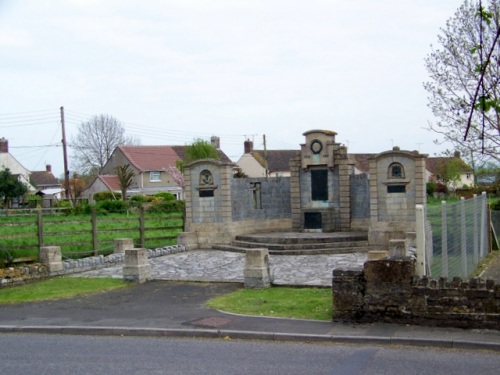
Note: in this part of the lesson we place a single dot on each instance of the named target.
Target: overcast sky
(175, 70)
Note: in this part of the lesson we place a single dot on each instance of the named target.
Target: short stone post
(122, 244)
(256, 271)
(136, 267)
(51, 256)
(377, 254)
(397, 248)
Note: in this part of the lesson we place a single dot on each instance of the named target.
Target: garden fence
(456, 237)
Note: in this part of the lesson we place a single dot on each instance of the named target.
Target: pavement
(174, 305)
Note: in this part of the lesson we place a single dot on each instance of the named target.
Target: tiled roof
(433, 163)
(43, 178)
(153, 158)
(361, 161)
(150, 158)
(111, 181)
(277, 160)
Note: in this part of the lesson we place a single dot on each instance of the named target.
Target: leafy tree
(199, 149)
(96, 140)
(464, 85)
(10, 187)
(449, 170)
(126, 177)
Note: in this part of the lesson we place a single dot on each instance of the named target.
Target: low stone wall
(12, 276)
(386, 290)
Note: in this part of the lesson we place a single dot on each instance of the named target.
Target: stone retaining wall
(12, 276)
(386, 290)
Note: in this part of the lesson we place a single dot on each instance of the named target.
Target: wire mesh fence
(456, 237)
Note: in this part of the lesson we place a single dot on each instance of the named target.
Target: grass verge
(57, 288)
(284, 302)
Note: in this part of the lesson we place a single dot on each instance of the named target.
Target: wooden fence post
(40, 230)
(141, 227)
(95, 240)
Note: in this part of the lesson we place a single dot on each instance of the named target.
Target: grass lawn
(57, 288)
(284, 302)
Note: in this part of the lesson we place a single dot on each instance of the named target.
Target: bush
(112, 206)
(166, 207)
(495, 205)
(65, 205)
(137, 200)
(441, 188)
(431, 187)
(166, 196)
(107, 196)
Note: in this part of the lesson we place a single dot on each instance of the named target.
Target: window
(154, 176)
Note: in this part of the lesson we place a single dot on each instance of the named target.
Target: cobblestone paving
(222, 266)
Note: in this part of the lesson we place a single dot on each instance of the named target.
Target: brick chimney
(248, 146)
(48, 168)
(4, 146)
(215, 142)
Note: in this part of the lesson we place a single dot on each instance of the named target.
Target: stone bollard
(136, 267)
(52, 257)
(257, 269)
(122, 244)
(397, 248)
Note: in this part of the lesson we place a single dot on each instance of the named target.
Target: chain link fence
(456, 237)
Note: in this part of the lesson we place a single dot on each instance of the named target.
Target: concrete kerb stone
(251, 335)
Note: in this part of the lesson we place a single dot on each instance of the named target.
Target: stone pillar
(257, 269)
(136, 267)
(51, 256)
(122, 244)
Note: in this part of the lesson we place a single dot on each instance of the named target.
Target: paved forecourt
(223, 266)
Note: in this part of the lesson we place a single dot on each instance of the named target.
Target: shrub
(112, 206)
(137, 200)
(166, 207)
(441, 188)
(65, 205)
(107, 196)
(166, 196)
(431, 187)
(495, 205)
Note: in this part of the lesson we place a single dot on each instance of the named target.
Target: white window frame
(153, 175)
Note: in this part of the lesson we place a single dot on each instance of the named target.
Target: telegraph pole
(65, 155)
(265, 156)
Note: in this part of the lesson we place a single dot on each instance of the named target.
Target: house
(434, 166)
(254, 163)
(47, 186)
(7, 161)
(151, 166)
(265, 163)
(437, 167)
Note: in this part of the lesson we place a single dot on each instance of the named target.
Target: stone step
(299, 245)
(298, 237)
(316, 251)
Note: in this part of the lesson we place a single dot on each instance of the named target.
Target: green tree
(126, 177)
(10, 187)
(464, 84)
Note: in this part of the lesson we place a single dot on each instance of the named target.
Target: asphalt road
(59, 354)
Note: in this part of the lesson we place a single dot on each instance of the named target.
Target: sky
(172, 71)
